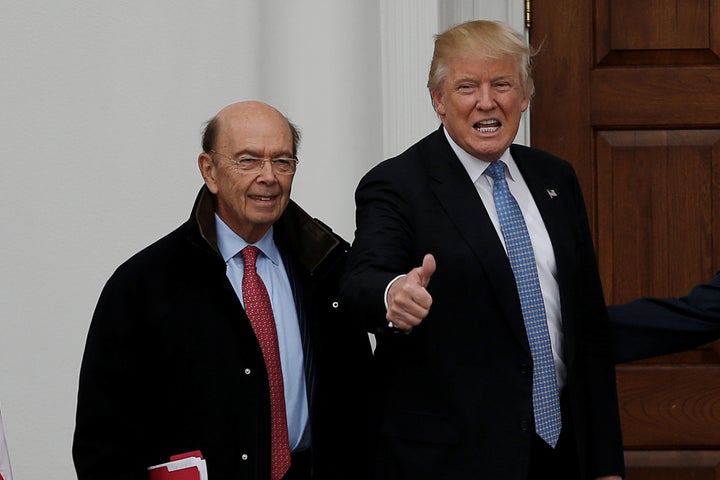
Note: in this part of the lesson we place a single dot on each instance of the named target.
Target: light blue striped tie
(546, 397)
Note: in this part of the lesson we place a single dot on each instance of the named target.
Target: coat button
(524, 425)
(247, 371)
(244, 456)
(524, 368)
(335, 304)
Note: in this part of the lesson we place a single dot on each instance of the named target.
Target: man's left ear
(207, 170)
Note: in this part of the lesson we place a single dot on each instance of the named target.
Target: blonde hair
(484, 39)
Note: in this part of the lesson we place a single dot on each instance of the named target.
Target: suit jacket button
(524, 425)
(524, 368)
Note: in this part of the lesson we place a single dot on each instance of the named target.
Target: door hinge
(528, 12)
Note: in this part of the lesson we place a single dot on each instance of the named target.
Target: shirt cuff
(385, 297)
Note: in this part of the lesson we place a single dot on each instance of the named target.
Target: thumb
(427, 269)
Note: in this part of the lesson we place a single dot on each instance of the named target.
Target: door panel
(655, 32)
(629, 93)
(655, 231)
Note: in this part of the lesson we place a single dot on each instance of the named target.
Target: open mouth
(487, 126)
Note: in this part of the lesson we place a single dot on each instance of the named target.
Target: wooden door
(629, 92)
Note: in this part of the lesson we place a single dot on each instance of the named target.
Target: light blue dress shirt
(272, 272)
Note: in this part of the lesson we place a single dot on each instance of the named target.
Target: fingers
(409, 301)
(408, 304)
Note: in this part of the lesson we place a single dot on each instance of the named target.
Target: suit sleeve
(603, 435)
(380, 251)
(649, 327)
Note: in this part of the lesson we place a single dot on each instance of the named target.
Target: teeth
(487, 126)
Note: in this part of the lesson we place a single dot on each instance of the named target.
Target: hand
(408, 300)
(610, 477)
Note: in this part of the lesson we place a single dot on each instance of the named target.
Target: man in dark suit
(428, 272)
(648, 327)
(189, 350)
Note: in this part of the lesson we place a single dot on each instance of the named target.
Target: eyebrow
(506, 76)
(255, 154)
(503, 76)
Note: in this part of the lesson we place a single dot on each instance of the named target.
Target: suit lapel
(551, 197)
(462, 204)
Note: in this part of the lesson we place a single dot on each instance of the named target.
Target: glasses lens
(249, 164)
(284, 165)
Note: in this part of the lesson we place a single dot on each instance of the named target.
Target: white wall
(102, 108)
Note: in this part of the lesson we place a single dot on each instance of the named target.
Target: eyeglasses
(280, 165)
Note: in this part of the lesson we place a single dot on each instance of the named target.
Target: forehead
(483, 67)
(259, 132)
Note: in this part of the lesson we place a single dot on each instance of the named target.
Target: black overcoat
(172, 365)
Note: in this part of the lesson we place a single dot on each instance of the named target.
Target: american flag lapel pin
(551, 193)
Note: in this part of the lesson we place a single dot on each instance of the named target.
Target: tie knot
(496, 170)
(249, 255)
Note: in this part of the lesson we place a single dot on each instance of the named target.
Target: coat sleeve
(648, 327)
(108, 443)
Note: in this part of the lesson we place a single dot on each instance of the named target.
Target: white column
(408, 29)
(320, 65)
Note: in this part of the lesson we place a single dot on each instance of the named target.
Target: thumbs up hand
(408, 299)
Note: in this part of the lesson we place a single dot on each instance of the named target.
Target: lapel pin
(551, 193)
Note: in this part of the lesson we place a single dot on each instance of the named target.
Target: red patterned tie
(259, 311)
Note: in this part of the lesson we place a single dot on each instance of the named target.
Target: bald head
(246, 112)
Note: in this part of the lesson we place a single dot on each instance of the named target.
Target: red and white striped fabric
(5, 472)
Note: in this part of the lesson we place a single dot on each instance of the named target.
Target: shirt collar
(476, 167)
(230, 243)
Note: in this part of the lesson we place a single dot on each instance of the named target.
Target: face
(249, 203)
(480, 103)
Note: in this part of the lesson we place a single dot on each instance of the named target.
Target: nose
(266, 173)
(484, 99)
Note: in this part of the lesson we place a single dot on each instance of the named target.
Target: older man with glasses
(224, 340)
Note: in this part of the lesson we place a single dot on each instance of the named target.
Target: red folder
(184, 466)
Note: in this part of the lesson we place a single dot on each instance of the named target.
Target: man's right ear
(207, 170)
(438, 102)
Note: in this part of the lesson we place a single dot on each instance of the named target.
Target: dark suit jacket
(648, 327)
(454, 395)
(172, 364)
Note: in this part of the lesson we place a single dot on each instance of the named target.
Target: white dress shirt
(542, 246)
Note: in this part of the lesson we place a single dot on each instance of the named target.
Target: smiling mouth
(487, 126)
(262, 198)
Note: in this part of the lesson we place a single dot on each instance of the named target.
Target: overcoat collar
(309, 240)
